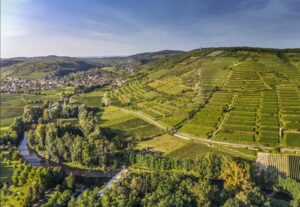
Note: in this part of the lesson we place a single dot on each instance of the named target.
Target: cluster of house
(16, 85)
(129, 68)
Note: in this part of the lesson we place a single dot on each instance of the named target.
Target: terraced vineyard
(264, 108)
(243, 96)
(235, 96)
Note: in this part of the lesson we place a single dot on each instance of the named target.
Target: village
(86, 78)
(18, 85)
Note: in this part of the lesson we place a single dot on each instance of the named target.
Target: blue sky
(122, 27)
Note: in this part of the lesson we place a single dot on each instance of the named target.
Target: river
(29, 155)
(35, 160)
(89, 178)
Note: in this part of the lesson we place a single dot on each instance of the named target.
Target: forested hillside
(35, 68)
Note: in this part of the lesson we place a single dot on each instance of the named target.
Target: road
(144, 117)
(209, 141)
(204, 140)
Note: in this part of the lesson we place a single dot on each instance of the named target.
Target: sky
(123, 27)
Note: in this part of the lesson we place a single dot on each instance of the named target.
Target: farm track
(209, 141)
(205, 140)
(225, 117)
(235, 145)
(144, 117)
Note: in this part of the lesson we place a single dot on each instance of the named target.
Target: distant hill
(154, 55)
(137, 58)
(39, 67)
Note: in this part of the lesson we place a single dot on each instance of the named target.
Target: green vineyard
(240, 96)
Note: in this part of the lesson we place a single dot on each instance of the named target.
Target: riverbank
(36, 160)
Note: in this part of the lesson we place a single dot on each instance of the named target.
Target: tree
(40, 135)
(291, 187)
(5, 189)
(201, 191)
(232, 203)
(105, 100)
(46, 117)
(70, 182)
(31, 114)
(59, 199)
(37, 192)
(86, 156)
(235, 177)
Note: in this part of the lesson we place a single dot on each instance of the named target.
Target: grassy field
(165, 143)
(92, 99)
(12, 105)
(126, 125)
(191, 150)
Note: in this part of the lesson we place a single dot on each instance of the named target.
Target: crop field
(215, 53)
(164, 143)
(59, 91)
(11, 106)
(261, 105)
(39, 99)
(130, 93)
(239, 123)
(290, 112)
(245, 78)
(256, 101)
(216, 72)
(127, 125)
(92, 99)
(207, 120)
(191, 150)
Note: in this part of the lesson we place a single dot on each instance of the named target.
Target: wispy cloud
(69, 27)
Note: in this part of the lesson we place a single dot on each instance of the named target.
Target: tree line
(83, 143)
(13, 134)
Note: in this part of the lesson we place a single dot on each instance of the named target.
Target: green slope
(243, 95)
(39, 67)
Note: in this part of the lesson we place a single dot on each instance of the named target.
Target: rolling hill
(236, 95)
(39, 67)
(240, 95)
